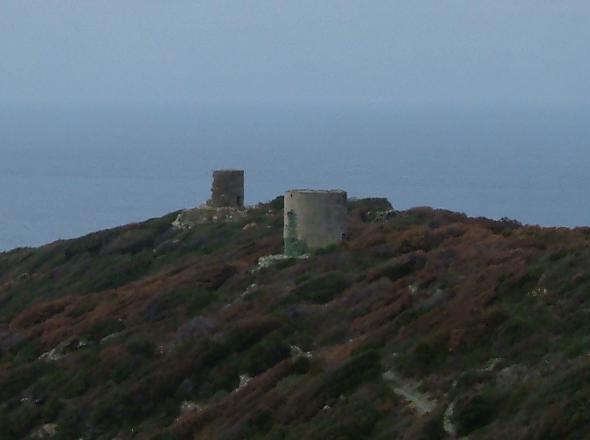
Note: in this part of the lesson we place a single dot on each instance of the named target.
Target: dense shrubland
(148, 331)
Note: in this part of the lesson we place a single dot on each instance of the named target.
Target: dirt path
(408, 389)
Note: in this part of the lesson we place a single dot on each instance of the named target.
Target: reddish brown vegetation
(156, 317)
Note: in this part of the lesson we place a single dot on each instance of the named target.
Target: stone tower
(314, 219)
(227, 190)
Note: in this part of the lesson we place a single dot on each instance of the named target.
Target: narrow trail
(421, 402)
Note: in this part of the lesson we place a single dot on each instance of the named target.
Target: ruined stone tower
(227, 190)
(313, 219)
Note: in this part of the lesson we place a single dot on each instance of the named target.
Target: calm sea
(69, 170)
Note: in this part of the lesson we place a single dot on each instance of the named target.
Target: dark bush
(370, 204)
(249, 332)
(69, 423)
(426, 355)
(104, 327)
(18, 379)
(402, 266)
(224, 378)
(29, 352)
(19, 423)
(474, 413)
(352, 420)
(142, 346)
(268, 352)
(363, 367)
(131, 242)
(277, 203)
(199, 299)
(322, 289)
(433, 428)
(78, 384)
(51, 409)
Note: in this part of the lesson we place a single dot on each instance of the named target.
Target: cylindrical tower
(227, 189)
(313, 219)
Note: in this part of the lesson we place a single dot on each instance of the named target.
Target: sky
(436, 53)
(112, 111)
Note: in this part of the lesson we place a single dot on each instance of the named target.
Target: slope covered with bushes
(424, 324)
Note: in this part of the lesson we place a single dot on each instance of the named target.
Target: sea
(70, 169)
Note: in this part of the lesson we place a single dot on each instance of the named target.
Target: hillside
(424, 324)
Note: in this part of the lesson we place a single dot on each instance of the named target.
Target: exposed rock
(251, 288)
(111, 337)
(46, 431)
(448, 424)
(408, 389)
(492, 364)
(250, 226)
(188, 406)
(270, 260)
(425, 300)
(244, 381)
(511, 375)
(538, 292)
(190, 218)
(63, 349)
(297, 352)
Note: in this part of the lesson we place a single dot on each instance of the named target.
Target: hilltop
(423, 324)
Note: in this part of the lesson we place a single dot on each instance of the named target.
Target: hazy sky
(425, 52)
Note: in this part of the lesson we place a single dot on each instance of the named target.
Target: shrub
(78, 384)
(142, 346)
(433, 428)
(249, 332)
(352, 420)
(328, 249)
(277, 203)
(104, 327)
(363, 367)
(427, 355)
(285, 263)
(367, 209)
(131, 242)
(399, 267)
(268, 352)
(69, 424)
(322, 289)
(474, 413)
(18, 379)
(29, 352)
(19, 423)
(81, 309)
(224, 378)
(51, 409)
(260, 421)
(199, 299)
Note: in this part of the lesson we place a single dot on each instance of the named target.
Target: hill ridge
(154, 331)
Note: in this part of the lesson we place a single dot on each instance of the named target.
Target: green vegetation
(293, 246)
(473, 413)
(322, 289)
(153, 331)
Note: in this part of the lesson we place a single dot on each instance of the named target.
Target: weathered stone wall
(314, 219)
(227, 189)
